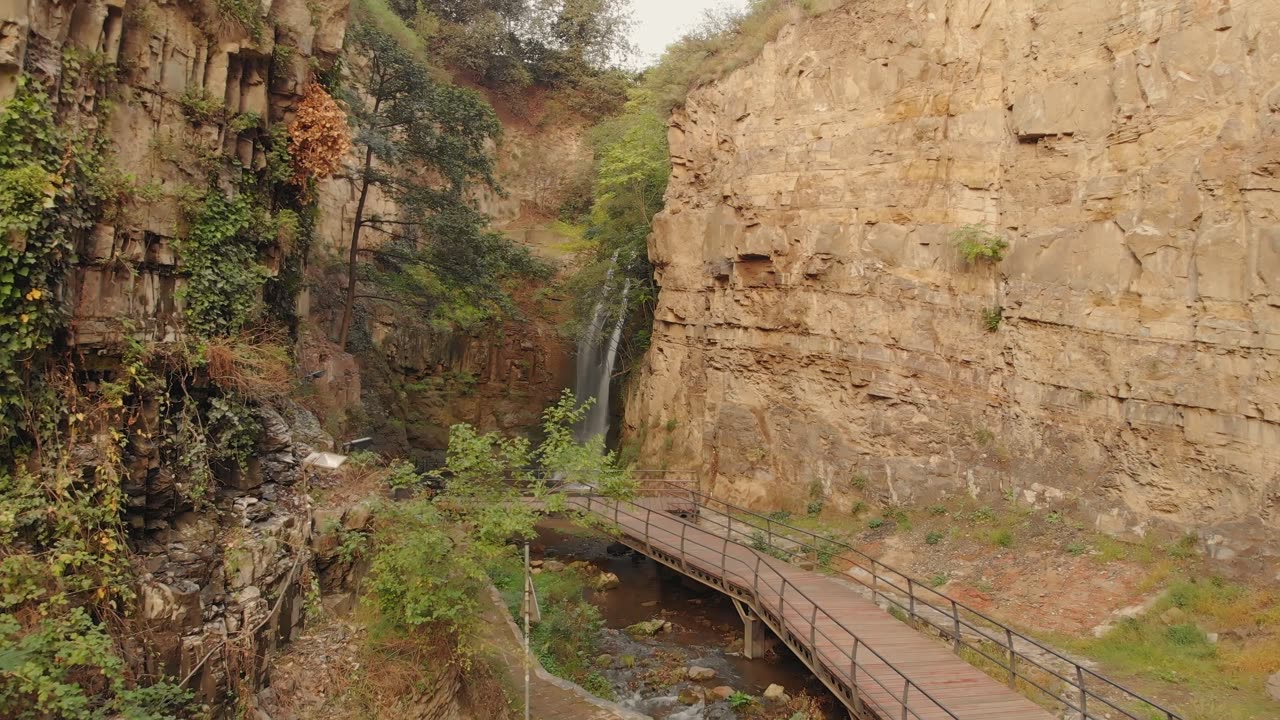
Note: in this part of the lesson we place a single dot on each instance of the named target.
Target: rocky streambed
(671, 648)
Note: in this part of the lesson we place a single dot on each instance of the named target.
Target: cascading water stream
(597, 356)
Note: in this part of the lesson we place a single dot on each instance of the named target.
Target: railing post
(875, 583)
(648, 513)
(813, 630)
(724, 555)
(1084, 697)
(911, 599)
(906, 688)
(1013, 673)
(768, 524)
(729, 532)
(853, 665)
(682, 560)
(782, 620)
(756, 588)
(955, 617)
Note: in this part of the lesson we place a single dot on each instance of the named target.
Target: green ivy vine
(65, 575)
(39, 177)
(220, 257)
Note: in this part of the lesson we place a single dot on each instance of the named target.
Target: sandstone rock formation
(816, 322)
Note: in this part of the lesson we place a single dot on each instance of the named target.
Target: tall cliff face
(220, 569)
(816, 321)
(416, 383)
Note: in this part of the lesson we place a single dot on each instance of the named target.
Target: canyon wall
(221, 569)
(417, 382)
(818, 325)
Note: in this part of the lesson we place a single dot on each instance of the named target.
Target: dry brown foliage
(253, 364)
(318, 136)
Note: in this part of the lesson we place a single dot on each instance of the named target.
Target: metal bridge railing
(1086, 693)
(793, 613)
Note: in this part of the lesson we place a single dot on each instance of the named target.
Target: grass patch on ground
(567, 641)
(1168, 648)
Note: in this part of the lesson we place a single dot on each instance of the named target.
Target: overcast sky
(658, 23)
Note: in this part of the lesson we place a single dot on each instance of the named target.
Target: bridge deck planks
(958, 689)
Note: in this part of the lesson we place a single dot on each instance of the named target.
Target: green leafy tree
(631, 178)
(575, 46)
(429, 569)
(425, 145)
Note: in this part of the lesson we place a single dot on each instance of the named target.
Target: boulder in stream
(776, 693)
(699, 673)
(690, 696)
(605, 581)
(647, 628)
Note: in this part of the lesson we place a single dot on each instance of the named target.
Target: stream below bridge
(705, 632)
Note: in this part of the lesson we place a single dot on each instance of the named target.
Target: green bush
(401, 474)
(933, 537)
(1186, 635)
(977, 244)
(567, 640)
(200, 107)
(423, 572)
(1002, 538)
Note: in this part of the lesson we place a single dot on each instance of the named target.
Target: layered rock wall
(816, 323)
(221, 569)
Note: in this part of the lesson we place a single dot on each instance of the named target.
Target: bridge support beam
(755, 636)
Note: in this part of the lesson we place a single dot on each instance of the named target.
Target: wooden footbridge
(880, 667)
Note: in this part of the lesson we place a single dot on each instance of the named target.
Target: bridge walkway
(876, 665)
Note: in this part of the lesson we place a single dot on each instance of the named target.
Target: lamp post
(528, 603)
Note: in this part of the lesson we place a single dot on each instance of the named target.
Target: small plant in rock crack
(816, 499)
(351, 544)
(978, 244)
(875, 523)
(933, 538)
(939, 580)
(741, 701)
(992, 317)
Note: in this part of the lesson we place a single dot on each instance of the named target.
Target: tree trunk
(344, 330)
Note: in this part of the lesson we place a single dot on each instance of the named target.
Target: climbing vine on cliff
(220, 258)
(44, 180)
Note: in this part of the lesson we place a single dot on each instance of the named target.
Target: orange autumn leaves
(318, 137)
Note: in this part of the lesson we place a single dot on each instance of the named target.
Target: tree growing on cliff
(426, 146)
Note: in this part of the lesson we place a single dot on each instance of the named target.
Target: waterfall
(597, 355)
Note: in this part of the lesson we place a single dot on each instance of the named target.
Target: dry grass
(254, 364)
